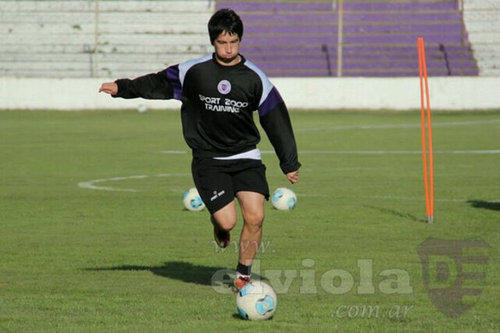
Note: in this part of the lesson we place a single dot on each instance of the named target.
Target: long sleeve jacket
(218, 103)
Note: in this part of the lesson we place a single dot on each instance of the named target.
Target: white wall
(456, 93)
(446, 93)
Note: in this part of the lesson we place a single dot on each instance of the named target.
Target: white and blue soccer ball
(256, 301)
(142, 108)
(284, 199)
(192, 200)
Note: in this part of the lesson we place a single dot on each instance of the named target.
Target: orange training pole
(425, 105)
(429, 137)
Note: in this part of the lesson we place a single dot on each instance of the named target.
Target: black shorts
(218, 181)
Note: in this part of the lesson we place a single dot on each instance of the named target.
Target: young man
(219, 93)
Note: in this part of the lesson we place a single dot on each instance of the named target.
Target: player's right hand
(293, 176)
(109, 88)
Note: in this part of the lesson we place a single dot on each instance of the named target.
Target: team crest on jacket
(224, 87)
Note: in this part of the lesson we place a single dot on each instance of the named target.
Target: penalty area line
(92, 184)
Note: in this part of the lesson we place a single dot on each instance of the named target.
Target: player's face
(227, 47)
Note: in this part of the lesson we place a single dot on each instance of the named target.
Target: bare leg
(224, 221)
(252, 209)
(226, 216)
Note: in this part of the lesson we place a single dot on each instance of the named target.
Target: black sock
(243, 269)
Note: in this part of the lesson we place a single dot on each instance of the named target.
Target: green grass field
(94, 238)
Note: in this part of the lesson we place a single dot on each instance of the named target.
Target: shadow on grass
(178, 270)
(396, 213)
(491, 205)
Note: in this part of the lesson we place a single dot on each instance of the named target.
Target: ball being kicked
(256, 301)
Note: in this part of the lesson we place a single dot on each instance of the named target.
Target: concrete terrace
(73, 39)
(121, 38)
(379, 39)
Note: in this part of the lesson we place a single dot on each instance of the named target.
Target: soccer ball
(284, 199)
(192, 200)
(256, 301)
(142, 108)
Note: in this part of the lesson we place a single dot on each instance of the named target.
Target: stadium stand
(99, 38)
(116, 38)
(482, 19)
(378, 38)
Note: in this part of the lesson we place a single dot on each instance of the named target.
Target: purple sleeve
(174, 80)
(275, 121)
(272, 99)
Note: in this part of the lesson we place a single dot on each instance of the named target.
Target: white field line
(174, 152)
(396, 126)
(368, 152)
(379, 126)
(391, 152)
(91, 184)
(394, 198)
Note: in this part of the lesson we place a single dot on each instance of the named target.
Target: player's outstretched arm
(293, 176)
(109, 88)
(149, 86)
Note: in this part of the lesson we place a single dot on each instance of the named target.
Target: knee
(225, 222)
(228, 225)
(254, 219)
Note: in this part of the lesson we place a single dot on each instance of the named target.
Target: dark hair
(224, 20)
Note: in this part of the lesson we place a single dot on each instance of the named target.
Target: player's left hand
(293, 176)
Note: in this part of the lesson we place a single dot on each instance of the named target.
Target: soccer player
(219, 93)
